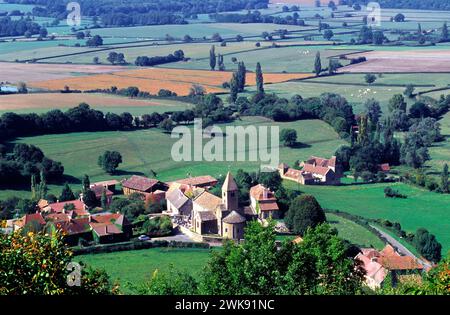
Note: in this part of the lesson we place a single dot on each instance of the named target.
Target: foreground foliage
(37, 264)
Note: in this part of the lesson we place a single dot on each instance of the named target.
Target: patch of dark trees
(10, 27)
(137, 12)
(17, 167)
(144, 61)
(257, 17)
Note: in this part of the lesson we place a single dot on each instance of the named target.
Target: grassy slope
(354, 232)
(138, 266)
(421, 209)
(440, 152)
(151, 149)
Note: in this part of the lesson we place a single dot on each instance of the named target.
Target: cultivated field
(46, 101)
(288, 59)
(154, 79)
(16, 72)
(137, 266)
(421, 209)
(353, 232)
(405, 61)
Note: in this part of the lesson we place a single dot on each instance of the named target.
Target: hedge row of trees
(144, 61)
(26, 161)
(257, 17)
(10, 27)
(135, 12)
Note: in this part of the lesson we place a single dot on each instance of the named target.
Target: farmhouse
(220, 216)
(144, 186)
(110, 228)
(178, 202)
(263, 202)
(99, 189)
(315, 170)
(379, 264)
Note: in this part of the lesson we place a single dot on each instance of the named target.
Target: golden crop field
(154, 79)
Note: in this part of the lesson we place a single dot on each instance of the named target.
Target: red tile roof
(260, 193)
(98, 190)
(59, 206)
(35, 217)
(316, 169)
(199, 181)
(140, 183)
(268, 206)
(384, 167)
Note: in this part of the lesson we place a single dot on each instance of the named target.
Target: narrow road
(400, 248)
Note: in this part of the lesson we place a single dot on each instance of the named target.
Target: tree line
(135, 12)
(10, 27)
(144, 61)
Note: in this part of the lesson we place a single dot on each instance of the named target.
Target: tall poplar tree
(259, 79)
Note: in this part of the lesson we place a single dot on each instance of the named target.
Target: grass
(137, 266)
(421, 209)
(146, 150)
(440, 152)
(289, 59)
(353, 232)
(40, 103)
(402, 241)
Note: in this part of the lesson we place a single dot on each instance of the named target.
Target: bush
(159, 226)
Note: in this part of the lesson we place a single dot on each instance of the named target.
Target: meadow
(440, 151)
(43, 102)
(138, 266)
(353, 232)
(146, 150)
(281, 59)
(421, 209)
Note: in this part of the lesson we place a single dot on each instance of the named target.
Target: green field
(353, 232)
(440, 152)
(146, 150)
(421, 209)
(137, 266)
(289, 59)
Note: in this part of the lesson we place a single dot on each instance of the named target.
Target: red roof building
(263, 202)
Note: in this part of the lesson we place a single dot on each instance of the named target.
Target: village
(202, 217)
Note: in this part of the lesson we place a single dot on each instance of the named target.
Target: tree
(378, 37)
(167, 125)
(90, 199)
(212, 58)
(109, 161)
(104, 200)
(220, 62)
(397, 102)
(427, 245)
(317, 64)
(234, 87)
(197, 90)
(38, 264)
(304, 212)
(86, 182)
(332, 66)
(66, 193)
(444, 35)
(22, 88)
(414, 152)
(409, 91)
(444, 179)
(95, 41)
(370, 78)
(259, 79)
(43, 32)
(187, 39)
(399, 18)
(419, 110)
(328, 34)
(373, 112)
(288, 137)
(241, 76)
